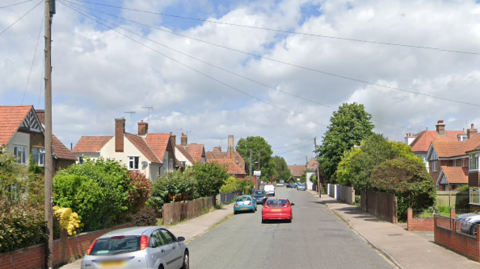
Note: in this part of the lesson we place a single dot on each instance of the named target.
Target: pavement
(403, 248)
(189, 229)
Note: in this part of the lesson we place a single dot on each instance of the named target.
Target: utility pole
(258, 182)
(49, 11)
(319, 183)
(251, 167)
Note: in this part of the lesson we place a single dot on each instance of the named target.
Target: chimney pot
(471, 132)
(183, 140)
(441, 128)
(471, 126)
(142, 128)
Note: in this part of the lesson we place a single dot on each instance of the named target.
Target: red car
(277, 209)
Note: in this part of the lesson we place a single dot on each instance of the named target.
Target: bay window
(473, 161)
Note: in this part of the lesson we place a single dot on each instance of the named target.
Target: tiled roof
(61, 151)
(297, 170)
(423, 139)
(447, 149)
(234, 164)
(233, 168)
(158, 143)
(91, 144)
(144, 148)
(185, 153)
(10, 119)
(312, 164)
(456, 175)
(196, 151)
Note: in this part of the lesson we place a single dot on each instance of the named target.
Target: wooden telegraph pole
(49, 11)
(319, 183)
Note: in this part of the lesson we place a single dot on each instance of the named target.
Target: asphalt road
(315, 239)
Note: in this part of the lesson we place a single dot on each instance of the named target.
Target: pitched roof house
(22, 133)
(297, 171)
(150, 153)
(188, 154)
(232, 159)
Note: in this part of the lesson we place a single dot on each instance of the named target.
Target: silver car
(138, 247)
(301, 187)
(469, 223)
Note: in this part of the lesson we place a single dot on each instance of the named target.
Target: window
(434, 166)
(21, 153)
(454, 163)
(133, 163)
(80, 159)
(474, 196)
(39, 156)
(473, 162)
(169, 237)
(463, 162)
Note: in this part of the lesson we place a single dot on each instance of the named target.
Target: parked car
(288, 185)
(293, 185)
(244, 203)
(301, 187)
(269, 189)
(469, 223)
(260, 197)
(137, 247)
(277, 209)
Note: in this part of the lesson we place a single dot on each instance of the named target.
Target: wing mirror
(292, 204)
(180, 239)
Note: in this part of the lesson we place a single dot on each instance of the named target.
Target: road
(315, 239)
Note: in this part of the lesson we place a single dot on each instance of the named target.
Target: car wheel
(264, 221)
(234, 212)
(186, 261)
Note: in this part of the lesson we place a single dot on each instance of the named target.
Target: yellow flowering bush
(68, 220)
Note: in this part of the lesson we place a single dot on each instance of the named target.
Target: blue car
(244, 203)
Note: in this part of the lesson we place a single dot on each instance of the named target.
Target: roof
(10, 119)
(234, 164)
(297, 170)
(447, 149)
(91, 144)
(185, 153)
(144, 148)
(61, 151)
(196, 151)
(312, 164)
(233, 168)
(423, 139)
(158, 143)
(456, 175)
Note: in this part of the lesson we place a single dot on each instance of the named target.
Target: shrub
(244, 186)
(139, 190)
(230, 185)
(68, 220)
(210, 178)
(21, 226)
(146, 216)
(173, 187)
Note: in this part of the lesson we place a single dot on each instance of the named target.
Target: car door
(175, 255)
(158, 249)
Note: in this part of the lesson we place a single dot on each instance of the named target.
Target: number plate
(276, 210)
(112, 264)
(243, 208)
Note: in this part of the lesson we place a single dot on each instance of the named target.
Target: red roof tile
(196, 151)
(447, 149)
(61, 151)
(91, 144)
(158, 143)
(423, 140)
(297, 170)
(10, 119)
(456, 175)
(235, 164)
(144, 148)
(185, 153)
(233, 168)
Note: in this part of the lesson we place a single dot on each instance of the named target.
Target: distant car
(244, 203)
(277, 209)
(469, 223)
(137, 247)
(293, 185)
(288, 185)
(269, 189)
(301, 187)
(260, 197)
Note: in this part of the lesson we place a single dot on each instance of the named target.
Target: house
(312, 167)
(232, 159)
(297, 171)
(420, 143)
(188, 154)
(153, 154)
(449, 161)
(22, 133)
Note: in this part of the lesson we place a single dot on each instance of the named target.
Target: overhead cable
(33, 59)
(16, 4)
(4, 30)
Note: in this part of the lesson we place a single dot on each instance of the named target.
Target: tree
(349, 125)
(313, 179)
(344, 169)
(230, 185)
(303, 178)
(258, 145)
(210, 177)
(281, 169)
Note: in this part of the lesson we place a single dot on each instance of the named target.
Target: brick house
(297, 171)
(153, 154)
(22, 134)
(231, 158)
(188, 154)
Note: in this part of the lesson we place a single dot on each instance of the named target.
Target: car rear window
(280, 202)
(116, 245)
(243, 199)
(259, 192)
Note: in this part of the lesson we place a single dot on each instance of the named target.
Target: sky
(275, 69)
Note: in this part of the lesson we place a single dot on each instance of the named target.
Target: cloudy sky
(276, 69)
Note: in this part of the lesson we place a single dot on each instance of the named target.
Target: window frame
(133, 162)
(473, 161)
(38, 155)
(22, 158)
(434, 166)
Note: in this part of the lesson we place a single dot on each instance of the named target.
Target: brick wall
(65, 249)
(435, 174)
(466, 245)
(423, 224)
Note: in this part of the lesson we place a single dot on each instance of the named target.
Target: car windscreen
(243, 199)
(279, 202)
(259, 193)
(116, 245)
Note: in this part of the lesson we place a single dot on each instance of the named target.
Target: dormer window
(473, 161)
(462, 137)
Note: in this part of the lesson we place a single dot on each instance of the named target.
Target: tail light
(250, 203)
(91, 247)
(144, 242)
(236, 204)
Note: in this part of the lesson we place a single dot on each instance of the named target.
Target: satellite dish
(144, 163)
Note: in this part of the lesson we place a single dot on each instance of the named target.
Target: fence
(341, 193)
(176, 212)
(226, 198)
(383, 205)
(65, 250)
(452, 199)
(449, 235)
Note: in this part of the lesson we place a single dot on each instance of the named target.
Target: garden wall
(341, 193)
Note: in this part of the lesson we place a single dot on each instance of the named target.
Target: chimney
(471, 132)
(230, 149)
(142, 128)
(41, 115)
(441, 128)
(174, 139)
(183, 140)
(119, 133)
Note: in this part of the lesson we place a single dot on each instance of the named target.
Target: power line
(4, 30)
(16, 4)
(287, 32)
(293, 149)
(293, 144)
(33, 59)
(189, 67)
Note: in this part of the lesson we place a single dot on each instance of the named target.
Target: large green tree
(281, 169)
(258, 145)
(210, 178)
(348, 127)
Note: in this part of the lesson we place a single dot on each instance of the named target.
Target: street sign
(257, 173)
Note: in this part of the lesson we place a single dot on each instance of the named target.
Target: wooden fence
(383, 205)
(452, 199)
(176, 212)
